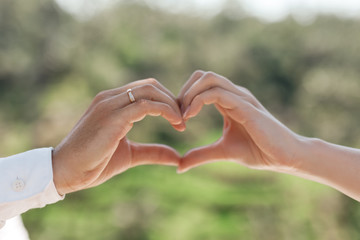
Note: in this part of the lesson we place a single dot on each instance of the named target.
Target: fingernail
(186, 113)
(183, 125)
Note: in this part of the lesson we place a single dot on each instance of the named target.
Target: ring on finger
(130, 95)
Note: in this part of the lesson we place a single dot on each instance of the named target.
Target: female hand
(97, 148)
(251, 135)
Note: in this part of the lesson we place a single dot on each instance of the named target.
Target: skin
(97, 149)
(254, 138)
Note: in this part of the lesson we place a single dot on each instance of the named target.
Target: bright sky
(270, 10)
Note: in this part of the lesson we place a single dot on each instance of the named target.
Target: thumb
(145, 154)
(200, 156)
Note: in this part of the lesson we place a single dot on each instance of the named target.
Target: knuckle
(210, 75)
(248, 93)
(198, 98)
(101, 96)
(198, 73)
(216, 90)
(143, 102)
(149, 88)
(245, 90)
(152, 81)
(101, 108)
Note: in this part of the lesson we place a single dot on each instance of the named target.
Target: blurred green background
(307, 74)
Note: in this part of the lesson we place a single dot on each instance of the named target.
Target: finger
(153, 93)
(140, 154)
(104, 95)
(205, 82)
(119, 162)
(218, 96)
(112, 92)
(220, 109)
(232, 105)
(200, 156)
(140, 109)
(147, 92)
(154, 82)
(210, 80)
(143, 154)
(193, 78)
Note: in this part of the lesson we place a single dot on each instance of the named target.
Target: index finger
(151, 81)
(193, 78)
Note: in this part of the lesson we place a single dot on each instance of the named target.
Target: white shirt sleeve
(14, 229)
(26, 182)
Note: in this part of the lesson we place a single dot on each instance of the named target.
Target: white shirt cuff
(26, 182)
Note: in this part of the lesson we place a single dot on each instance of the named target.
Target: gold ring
(130, 95)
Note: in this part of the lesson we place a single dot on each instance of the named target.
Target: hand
(251, 135)
(97, 148)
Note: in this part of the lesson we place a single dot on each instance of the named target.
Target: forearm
(334, 165)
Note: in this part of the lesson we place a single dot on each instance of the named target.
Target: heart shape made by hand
(251, 135)
(248, 128)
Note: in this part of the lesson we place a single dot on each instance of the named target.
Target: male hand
(97, 148)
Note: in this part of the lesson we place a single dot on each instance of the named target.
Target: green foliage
(52, 65)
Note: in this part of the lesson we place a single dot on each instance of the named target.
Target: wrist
(306, 151)
(325, 162)
(294, 159)
(58, 177)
